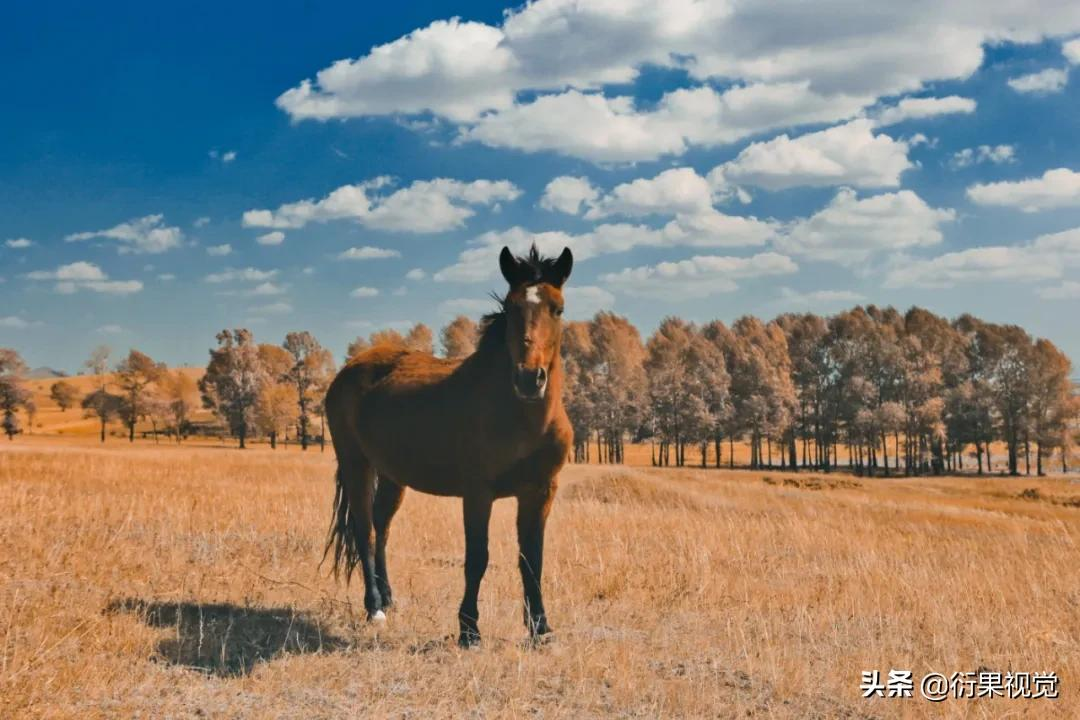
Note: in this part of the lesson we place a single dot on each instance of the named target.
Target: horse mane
(493, 325)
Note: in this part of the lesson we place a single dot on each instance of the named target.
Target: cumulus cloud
(368, 253)
(200, 222)
(1046, 257)
(1044, 82)
(568, 194)
(1055, 189)
(1065, 291)
(849, 154)
(849, 230)
(584, 301)
(364, 292)
(226, 157)
(275, 237)
(219, 250)
(614, 130)
(466, 306)
(241, 275)
(678, 191)
(1071, 51)
(18, 243)
(698, 277)
(475, 74)
(81, 275)
(479, 262)
(13, 322)
(147, 235)
(425, 206)
(994, 154)
(813, 299)
(921, 108)
(415, 274)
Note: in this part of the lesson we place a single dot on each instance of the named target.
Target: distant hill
(45, 373)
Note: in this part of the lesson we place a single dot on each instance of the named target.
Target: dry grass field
(156, 581)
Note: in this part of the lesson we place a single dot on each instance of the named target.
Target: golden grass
(142, 581)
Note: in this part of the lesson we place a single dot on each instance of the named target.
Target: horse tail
(343, 537)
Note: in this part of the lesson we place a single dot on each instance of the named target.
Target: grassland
(156, 581)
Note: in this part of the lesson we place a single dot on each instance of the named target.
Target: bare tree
(459, 338)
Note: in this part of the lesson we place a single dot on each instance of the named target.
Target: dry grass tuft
(180, 582)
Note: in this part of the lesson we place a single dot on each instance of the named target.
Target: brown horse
(491, 426)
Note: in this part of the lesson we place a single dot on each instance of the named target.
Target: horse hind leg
(351, 534)
(388, 497)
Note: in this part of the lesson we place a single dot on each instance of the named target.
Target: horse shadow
(228, 640)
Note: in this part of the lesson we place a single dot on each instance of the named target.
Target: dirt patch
(1034, 495)
(812, 483)
(631, 489)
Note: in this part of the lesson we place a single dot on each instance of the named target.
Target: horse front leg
(477, 509)
(534, 504)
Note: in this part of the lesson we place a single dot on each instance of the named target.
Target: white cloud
(849, 230)
(166, 277)
(415, 274)
(584, 301)
(479, 262)
(994, 154)
(817, 298)
(1065, 291)
(219, 250)
(922, 108)
(277, 308)
(226, 157)
(1043, 258)
(848, 154)
(13, 322)
(466, 306)
(141, 235)
(614, 130)
(1071, 51)
(679, 191)
(698, 277)
(364, 292)
(241, 275)
(472, 73)
(110, 330)
(425, 206)
(368, 253)
(275, 237)
(266, 288)
(201, 222)
(18, 243)
(1055, 189)
(85, 276)
(1044, 82)
(567, 194)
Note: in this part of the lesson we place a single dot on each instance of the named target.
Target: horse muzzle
(530, 384)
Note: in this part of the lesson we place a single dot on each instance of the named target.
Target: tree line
(896, 393)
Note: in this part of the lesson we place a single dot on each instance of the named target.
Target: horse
(490, 426)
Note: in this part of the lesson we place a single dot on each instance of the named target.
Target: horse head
(534, 307)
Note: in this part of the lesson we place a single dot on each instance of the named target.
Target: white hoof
(379, 617)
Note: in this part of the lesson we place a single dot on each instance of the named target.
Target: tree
(13, 393)
(459, 338)
(577, 392)
(310, 374)
(104, 406)
(1051, 408)
(64, 394)
(420, 339)
(389, 336)
(180, 392)
(275, 408)
(356, 347)
(232, 381)
(134, 374)
(616, 381)
(98, 365)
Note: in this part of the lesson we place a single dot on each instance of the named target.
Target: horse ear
(562, 268)
(511, 268)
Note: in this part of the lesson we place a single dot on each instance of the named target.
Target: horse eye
(558, 312)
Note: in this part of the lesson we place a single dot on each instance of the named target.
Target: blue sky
(700, 161)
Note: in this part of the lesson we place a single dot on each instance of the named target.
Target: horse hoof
(378, 617)
(468, 640)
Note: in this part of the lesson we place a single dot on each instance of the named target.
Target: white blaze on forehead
(532, 295)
